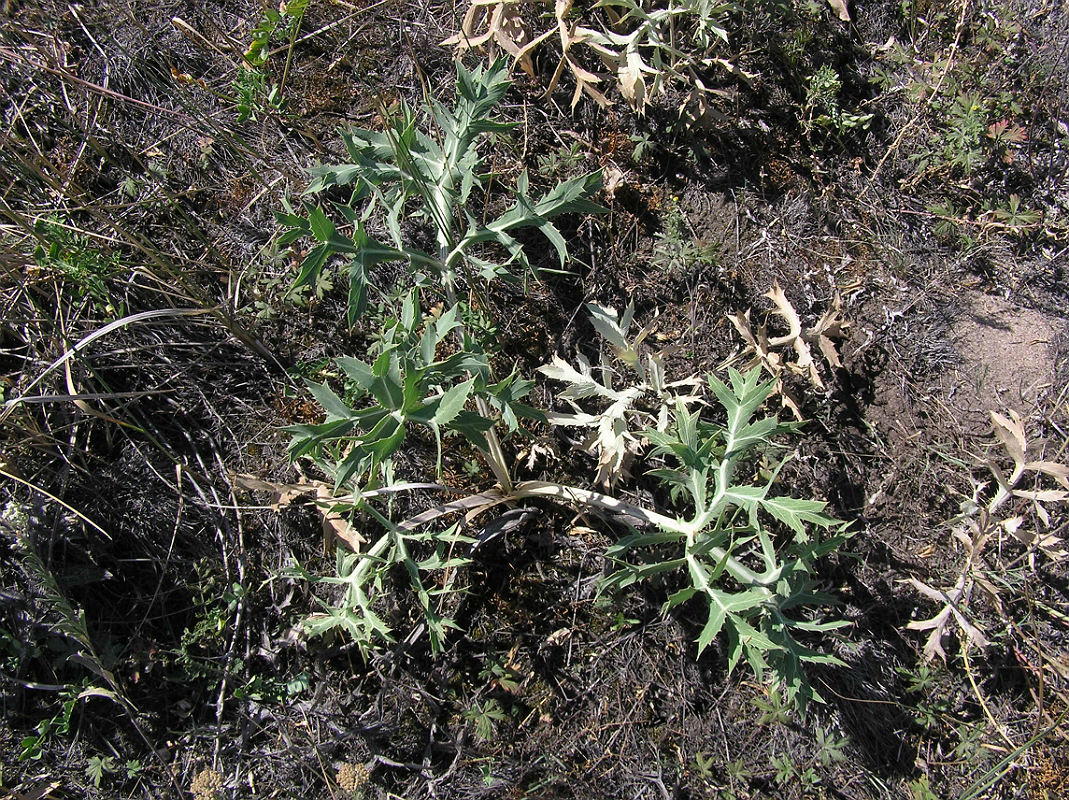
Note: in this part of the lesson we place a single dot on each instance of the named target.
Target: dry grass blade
(88, 339)
(18, 479)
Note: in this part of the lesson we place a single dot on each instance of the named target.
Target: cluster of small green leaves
(963, 146)
(59, 724)
(677, 249)
(254, 96)
(280, 23)
(822, 107)
(409, 383)
(97, 767)
(974, 118)
(84, 268)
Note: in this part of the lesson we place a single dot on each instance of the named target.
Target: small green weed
(561, 161)
(921, 789)
(253, 95)
(822, 108)
(832, 748)
(964, 145)
(59, 724)
(269, 690)
(677, 249)
(773, 711)
(738, 775)
(69, 624)
(486, 715)
(703, 764)
(500, 672)
(930, 708)
(214, 607)
(278, 25)
(84, 268)
(99, 766)
(970, 744)
(788, 773)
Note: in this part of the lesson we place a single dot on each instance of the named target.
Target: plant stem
(495, 457)
(289, 53)
(575, 496)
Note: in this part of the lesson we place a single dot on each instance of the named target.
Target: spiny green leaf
(307, 438)
(388, 386)
(452, 402)
(672, 476)
(335, 407)
(795, 513)
(358, 461)
(322, 227)
(388, 440)
(357, 371)
(678, 598)
(312, 265)
(712, 627)
(473, 426)
(333, 175)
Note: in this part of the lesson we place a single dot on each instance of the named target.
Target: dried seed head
(353, 777)
(207, 785)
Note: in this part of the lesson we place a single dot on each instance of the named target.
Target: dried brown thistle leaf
(764, 349)
(499, 22)
(804, 364)
(951, 598)
(572, 34)
(335, 525)
(840, 9)
(1009, 430)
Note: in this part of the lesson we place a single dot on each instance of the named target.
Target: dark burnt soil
(148, 631)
